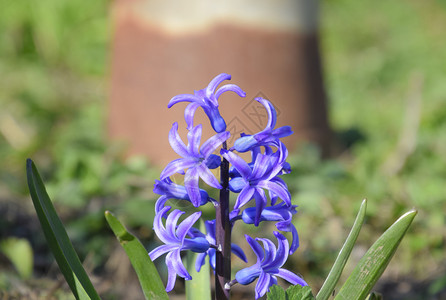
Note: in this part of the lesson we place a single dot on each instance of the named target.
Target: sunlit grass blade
(200, 285)
(148, 276)
(336, 271)
(57, 238)
(374, 262)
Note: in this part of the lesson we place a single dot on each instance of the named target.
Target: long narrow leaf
(148, 276)
(200, 285)
(344, 254)
(374, 262)
(57, 238)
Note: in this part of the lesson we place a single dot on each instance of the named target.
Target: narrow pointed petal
(281, 132)
(158, 251)
(178, 264)
(191, 184)
(277, 189)
(282, 252)
(237, 162)
(184, 227)
(291, 277)
(189, 113)
(258, 251)
(272, 115)
(239, 252)
(159, 228)
(244, 197)
(184, 98)
(230, 87)
(200, 261)
(262, 285)
(177, 166)
(171, 223)
(212, 86)
(171, 275)
(213, 143)
(262, 164)
(194, 137)
(208, 177)
(176, 143)
(261, 200)
(159, 205)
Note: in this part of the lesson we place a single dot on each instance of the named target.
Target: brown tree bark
(274, 56)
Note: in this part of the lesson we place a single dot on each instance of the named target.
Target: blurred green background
(385, 68)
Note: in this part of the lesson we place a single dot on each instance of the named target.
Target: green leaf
(57, 238)
(200, 285)
(374, 262)
(336, 271)
(20, 253)
(297, 292)
(148, 276)
(294, 292)
(276, 293)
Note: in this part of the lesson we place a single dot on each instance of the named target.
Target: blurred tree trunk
(164, 48)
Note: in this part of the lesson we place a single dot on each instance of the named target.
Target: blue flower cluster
(258, 180)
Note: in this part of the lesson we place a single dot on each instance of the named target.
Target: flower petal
(189, 114)
(160, 250)
(261, 200)
(230, 87)
(244, 197)
(276, 189)
(184, 98)
(176, 143)
(171, 224)
(262, 285)
(178, 264)
(239, 252)
(191, 184)
(291, 277)
(262, 164)
(282, 132)
(272, 115)
(177, 166)
(160, 230)
(200, 261)
(187, 223)
(213, 143)
(282, 252)
(194, 137)
(212, 86)
(208, 177)
(258, 251)
(237, 162)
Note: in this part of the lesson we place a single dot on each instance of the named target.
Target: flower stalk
(223, 235)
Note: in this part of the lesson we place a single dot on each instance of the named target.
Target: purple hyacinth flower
(268, 136)
(169, 190)
(207, 98)
(175, 241)
(253, 181)
(196, 160)
(210, 236)
(268, 265)
(280, 213)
